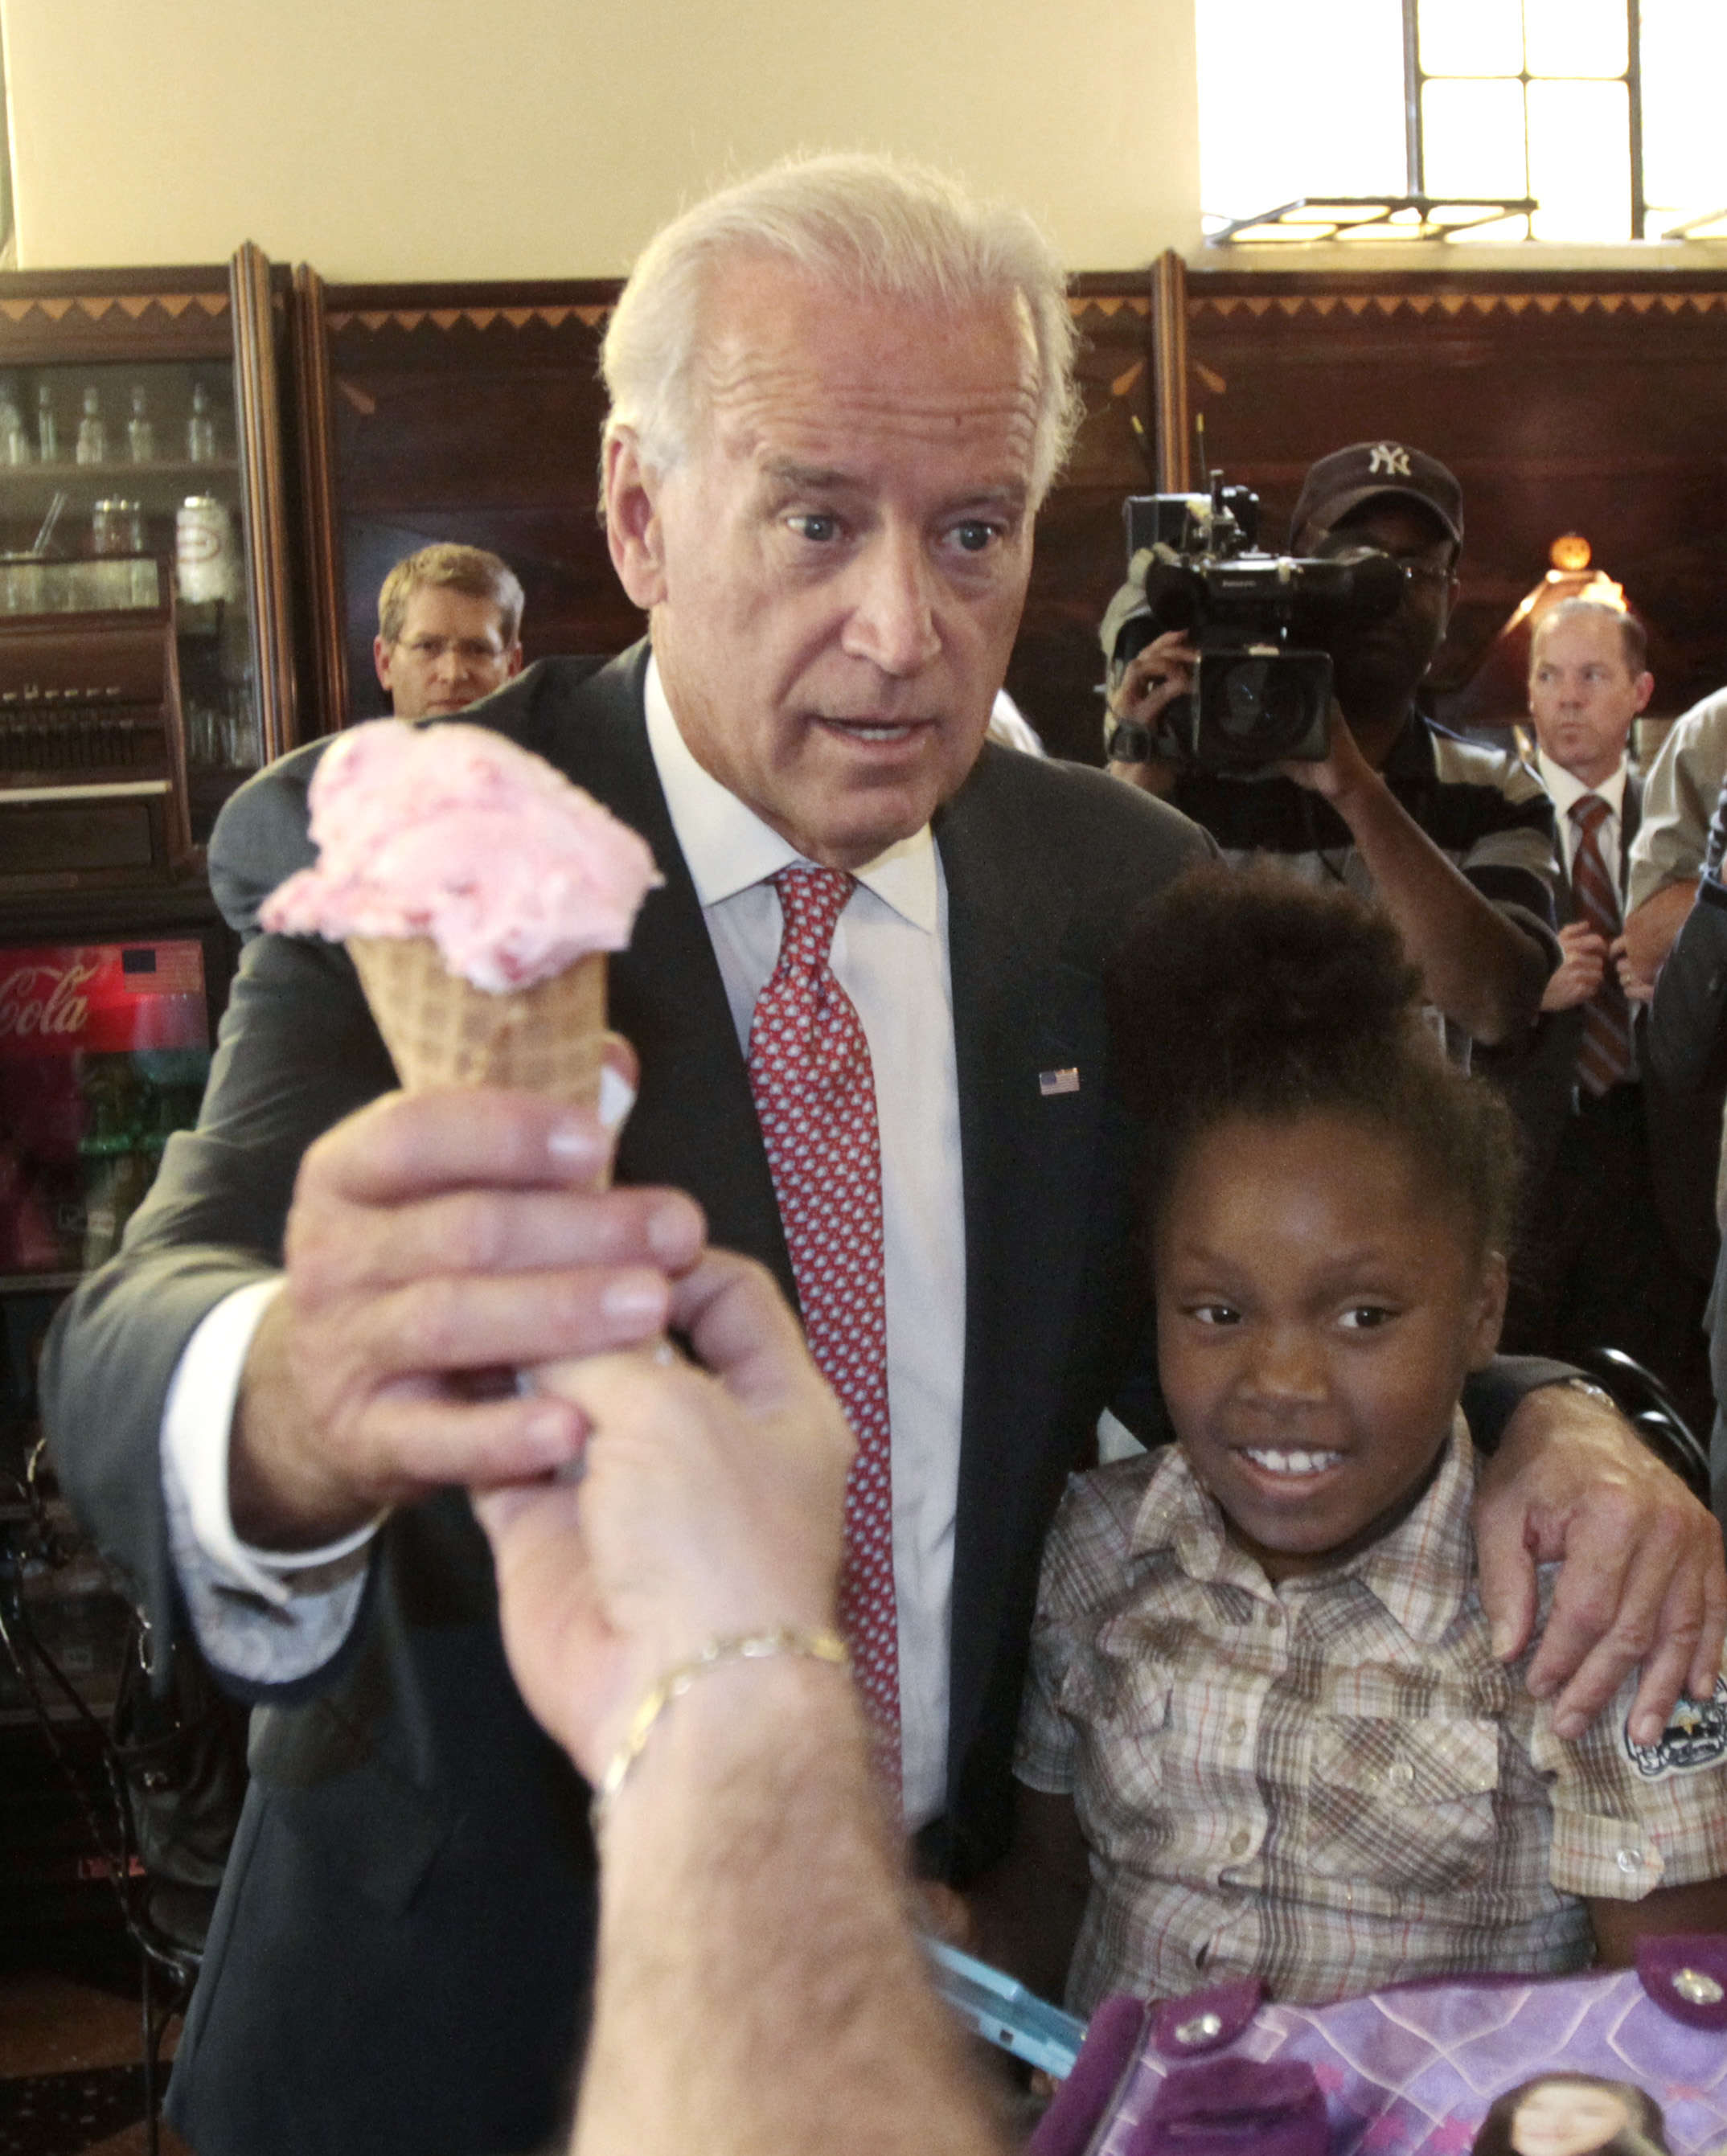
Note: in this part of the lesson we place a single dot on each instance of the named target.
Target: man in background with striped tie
(1602, 1268)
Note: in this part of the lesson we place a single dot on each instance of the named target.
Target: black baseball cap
(1365, 471)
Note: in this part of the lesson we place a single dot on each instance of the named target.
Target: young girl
(1265, 1732)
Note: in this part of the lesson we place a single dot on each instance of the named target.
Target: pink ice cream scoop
(453, 833)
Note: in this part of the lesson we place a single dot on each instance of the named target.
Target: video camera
(1261, 693)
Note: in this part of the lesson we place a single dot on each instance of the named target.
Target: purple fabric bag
(1413, 2070)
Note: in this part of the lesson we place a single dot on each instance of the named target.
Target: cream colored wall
(420, 139)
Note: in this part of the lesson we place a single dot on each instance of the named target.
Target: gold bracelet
(822, 1646)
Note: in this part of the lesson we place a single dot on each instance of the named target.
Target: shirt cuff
(197, 1424)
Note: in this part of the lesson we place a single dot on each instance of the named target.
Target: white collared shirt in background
(1566, 790)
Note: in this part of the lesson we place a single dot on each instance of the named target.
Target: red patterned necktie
(815, 1091)
(1604, 1057)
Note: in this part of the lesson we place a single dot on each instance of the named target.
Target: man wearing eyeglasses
(449, 630)
(1453, 838)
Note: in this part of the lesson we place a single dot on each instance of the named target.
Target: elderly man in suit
(1602, 1272)
(839, 392)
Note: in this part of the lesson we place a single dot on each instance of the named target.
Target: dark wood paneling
(74, 316)
(1588, 402)
(473, 413)
(1564, 402)
(1056, 664)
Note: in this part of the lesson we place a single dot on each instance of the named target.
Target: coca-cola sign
(102, 997)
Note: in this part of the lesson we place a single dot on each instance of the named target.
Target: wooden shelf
(114, 476)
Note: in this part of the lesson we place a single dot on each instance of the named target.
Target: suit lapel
(1024, 1020)
(694, 1121)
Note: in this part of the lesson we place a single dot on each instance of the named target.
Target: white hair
(872, 224)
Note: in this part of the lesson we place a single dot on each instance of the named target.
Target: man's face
(835, 572)
(1380, 661)
(450, 653)
(1583, 695)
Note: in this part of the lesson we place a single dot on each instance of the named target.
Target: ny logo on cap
(1387, 457)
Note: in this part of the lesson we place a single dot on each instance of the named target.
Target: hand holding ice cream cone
(442, 1234)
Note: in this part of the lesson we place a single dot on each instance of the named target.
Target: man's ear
(513, 660)
(381, 662)
(1645, 688)
(632, 520)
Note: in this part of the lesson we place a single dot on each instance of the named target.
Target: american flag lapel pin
(1058, 1081)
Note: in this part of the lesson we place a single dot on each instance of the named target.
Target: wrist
(703, 1672)
(283, 1492)
(279, 1501)
(1359, 794)
(747, 1725)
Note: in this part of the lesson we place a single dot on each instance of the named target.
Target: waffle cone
(441, 1031)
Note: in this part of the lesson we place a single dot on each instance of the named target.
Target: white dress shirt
(1566, 791)
(268, 1616)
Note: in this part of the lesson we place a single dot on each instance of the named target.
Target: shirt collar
(1566, 789)
(728, 847)
(1422, 1572)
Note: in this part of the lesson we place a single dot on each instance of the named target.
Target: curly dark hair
(1237, 991)
(1645, 2136)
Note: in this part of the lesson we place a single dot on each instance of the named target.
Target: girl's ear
(1489, 1310)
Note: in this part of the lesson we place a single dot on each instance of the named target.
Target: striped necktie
(1604, 1057)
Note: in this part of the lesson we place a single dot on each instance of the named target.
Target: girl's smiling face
(1319, 1304)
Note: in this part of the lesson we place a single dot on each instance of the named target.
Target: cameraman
(1455, 840)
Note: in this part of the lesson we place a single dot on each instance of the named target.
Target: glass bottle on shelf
(201, 429)
(15, 442)
(48, 428)
(116, 1172)
(117, 528)
(92, 431)
(141, 434)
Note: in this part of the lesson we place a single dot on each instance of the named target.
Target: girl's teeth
(1294, 1463)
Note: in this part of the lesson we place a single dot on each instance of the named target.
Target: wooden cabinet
(442, 411)
(142, 474)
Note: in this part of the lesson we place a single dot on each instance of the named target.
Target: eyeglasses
(475, 650)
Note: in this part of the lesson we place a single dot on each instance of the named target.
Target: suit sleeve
(1679, 797)
(1686, 1037)
(297, 1051)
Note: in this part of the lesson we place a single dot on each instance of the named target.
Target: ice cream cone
(441, 1031)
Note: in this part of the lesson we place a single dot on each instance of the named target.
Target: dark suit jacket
(406, 1924)
(1682, 1122)
(1686, 1042)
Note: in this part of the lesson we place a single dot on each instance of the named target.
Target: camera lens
(1244, 695)
(1284, 696)
(1257, 709)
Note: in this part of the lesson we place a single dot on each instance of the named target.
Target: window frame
(1415, 78)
